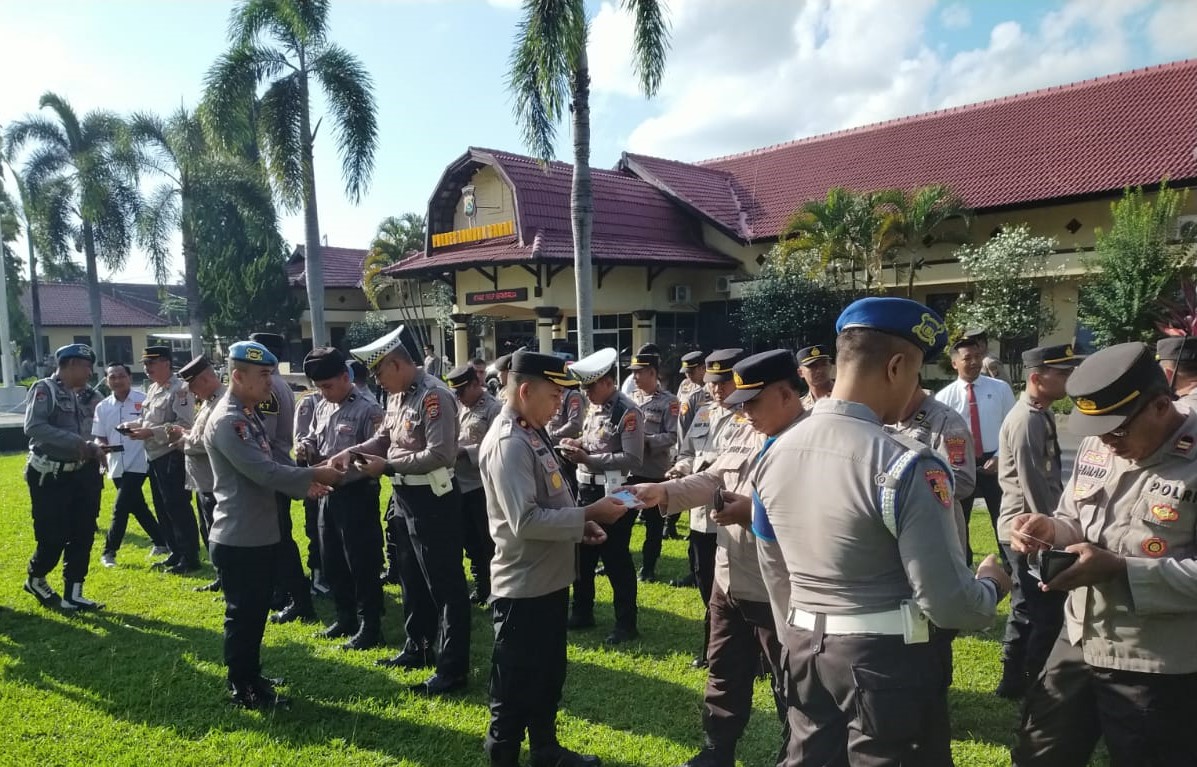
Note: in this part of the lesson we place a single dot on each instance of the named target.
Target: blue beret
(901, 317)
(75, 351)
(252, 352)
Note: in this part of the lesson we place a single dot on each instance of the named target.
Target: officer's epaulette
(1184, 447)
(920, 416)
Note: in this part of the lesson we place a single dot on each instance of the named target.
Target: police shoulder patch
(432, 406)
(242, 429)
(957, 448)
(674, 407)
(1154, 547)
(941, 487)
(629, 422)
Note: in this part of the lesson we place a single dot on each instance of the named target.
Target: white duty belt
(440, 480)
(884, 623)
(44, 465)
(607, 478)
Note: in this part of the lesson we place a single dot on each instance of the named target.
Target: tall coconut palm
(284, 44)
(918, 223)
(86, 188)
(23, 206)
(197, 182)
(550, 74)
(397, 236)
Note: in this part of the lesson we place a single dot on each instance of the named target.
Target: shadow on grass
(659, 632)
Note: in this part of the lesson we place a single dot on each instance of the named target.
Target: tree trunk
(35, 302)
(93, 293)
(910, 277)
(191, 288)
(313, 265)
(581, 205)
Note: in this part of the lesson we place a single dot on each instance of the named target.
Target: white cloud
(1173, 28)
(956, 16)
(748, 74)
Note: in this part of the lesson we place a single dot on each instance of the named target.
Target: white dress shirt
(109, 414)
(994, 400)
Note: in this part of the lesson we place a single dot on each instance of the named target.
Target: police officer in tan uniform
(661, 410)
(694, 377)
(698, 448)
(611, 448)
(567, 421)
(63, 475)
(1030, 474)
(418, 438)
(1177, 355)
(245, 533)
(305, 408)
(477, 409)
(204, 384)
(814, 366)
(347, 519)
(167, 414)
(874, 566)
(536, 524)
(742, 623)
(1124, 668)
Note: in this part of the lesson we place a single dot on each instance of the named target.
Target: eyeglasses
(1124, 429)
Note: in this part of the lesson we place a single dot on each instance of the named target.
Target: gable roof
(342, 267)
(65, 304)
(1080, 140)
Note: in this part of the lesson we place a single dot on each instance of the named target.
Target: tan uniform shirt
(278, 417)
(736, 568)
(198, 465)
(1028, 464)
(819, 488)
(941, 428)
(689, 407)
(699, 447)
(1145, 511)
(165, 406)
(661, 410)
(613, 438)
(472, 424)
(567, 422)
(992, 367)
(534, 520)
(687, 389)
(419, 431)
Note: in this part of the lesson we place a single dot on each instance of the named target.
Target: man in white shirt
(983, 403)
(128, 467)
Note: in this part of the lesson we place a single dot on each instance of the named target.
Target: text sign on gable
(480, 297)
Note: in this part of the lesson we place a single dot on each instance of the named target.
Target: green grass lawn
(142, 681)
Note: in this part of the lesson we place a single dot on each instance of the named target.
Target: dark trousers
(65, 509)
(989, 489)
(245, 575)
(350, 533)
(865, 701)
(740, 631)
(527, 672)
(289, 578)
(130, 500)
(436, 604)
(617, 559)
(176, 516)
(311, 528)
(206, 503)
(1035, 619)
(654, 530)
(1145, 719)
(702, 565)
(479, 546)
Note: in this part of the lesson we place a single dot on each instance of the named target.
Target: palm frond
(650, 42)
(36, 128)
(549, 40)
(349, 91)
(157, 222)
(68, 121)
(281, 110)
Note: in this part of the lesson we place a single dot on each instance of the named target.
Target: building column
(461, 338)
(559, 326)
(642, 327)
(544, 327)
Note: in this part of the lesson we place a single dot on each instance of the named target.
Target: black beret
(546, 366)
(323, 363)
(272, 341)
(1059, 356)
(1176, 349)
(155, 353)
(460, 376)
(191, 370)
(1108, 387)
(753, 374)
(720, 363)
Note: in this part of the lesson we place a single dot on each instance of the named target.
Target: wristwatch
(388, 470)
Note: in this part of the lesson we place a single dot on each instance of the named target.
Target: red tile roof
(1084, 139)
(66, 305)
(342, 267)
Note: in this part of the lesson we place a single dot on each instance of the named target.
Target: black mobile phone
(112, 448)
(124, 429)
(717, 501)
(1055, 561)
(358, 458)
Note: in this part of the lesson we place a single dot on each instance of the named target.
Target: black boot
(1014, 679)
(369, 635)
(342, 627)
(213, 586)
(712, 756)
(296, 611)
(560, 756)
(73, 599)
(580, 620)
(259, 693)
(504, 757)
(411, 657)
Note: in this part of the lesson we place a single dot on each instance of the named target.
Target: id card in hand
(627, 498)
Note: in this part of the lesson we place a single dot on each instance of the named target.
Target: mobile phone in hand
(717, 500)
(358, 459)
(112, 448)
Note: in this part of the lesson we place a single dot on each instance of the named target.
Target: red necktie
(974, 420)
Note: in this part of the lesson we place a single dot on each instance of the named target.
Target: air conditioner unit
(679, 294)
(723, 284)
(1186, 227)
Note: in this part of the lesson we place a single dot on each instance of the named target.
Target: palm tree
(549, 74)
(848, 231)
(198, 181)
(917, 224)
(397, 237)
(285, 43)
(85, 188)
(22, 207)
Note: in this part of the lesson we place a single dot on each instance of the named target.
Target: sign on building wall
(480, 297)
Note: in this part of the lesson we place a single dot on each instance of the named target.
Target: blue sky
(742, 73)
